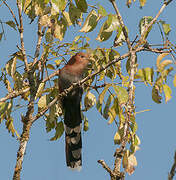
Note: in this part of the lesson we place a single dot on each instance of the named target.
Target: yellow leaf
(43, 101)
(40, 90)
(89, 100)
(117, 138)
(164, 64)
(50, 66)
(121, 93)
(131, 163)
(113, 111)
(67, 17)
(101, 96)
(159, 58)
(142, 2)
(86, 125)
(174, 81)
(60, 29)
(58, 5)
(149, 72)
(167, 91)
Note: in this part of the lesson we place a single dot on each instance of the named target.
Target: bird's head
(82, 57)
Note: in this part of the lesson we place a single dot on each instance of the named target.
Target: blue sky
(45, 160)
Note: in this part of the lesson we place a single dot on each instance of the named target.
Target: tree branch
(15, 93)
(173, 169)
(14, 17)
(119, 17)
(21, 34)
(151, 23)
(40, 35)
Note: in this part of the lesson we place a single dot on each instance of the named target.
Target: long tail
(73, 147)
(73, 141)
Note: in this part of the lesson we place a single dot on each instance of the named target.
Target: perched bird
(73, 72)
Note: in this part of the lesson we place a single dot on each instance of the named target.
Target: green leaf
(146, 75)
(103, 35)
(113, 54)
(52, 114)
(49, 125)
(19, 81)
(155, 95)
(102, 11)
(107, 106)
(101, 96)
(82, 5)
(59, 131)
(166, 28)
(60, 29)
(113, 111)
(10, 126)
(90, 22)
(113, 23)
(3, 108)
(120, 38)
(11, 66)
(167, 91)
(59, 5)
(11, 24)
(121, 94)
(48, 36)
(74, 13)
(40, 90)
(144, 22)
(134, 127)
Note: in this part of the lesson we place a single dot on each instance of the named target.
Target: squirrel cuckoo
(73, 72)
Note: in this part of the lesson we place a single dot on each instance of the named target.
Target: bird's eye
(82, 56)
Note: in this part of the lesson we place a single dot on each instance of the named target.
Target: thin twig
(14, 17)
(40, 35)
(152, 22)
(119, 17)
(14, 94)
(20, 28)
(173, 169)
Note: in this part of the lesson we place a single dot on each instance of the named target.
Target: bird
(71, 73)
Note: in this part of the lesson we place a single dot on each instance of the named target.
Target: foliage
(108, 89)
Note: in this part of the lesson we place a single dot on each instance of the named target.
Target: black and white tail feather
(73, 126)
